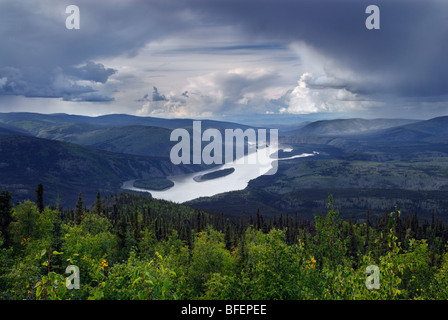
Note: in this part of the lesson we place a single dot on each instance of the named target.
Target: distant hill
(33, 122)
(347, 126)
(136, 139)
(71, 154)
(418, 139)
(146, 136)
(8, 132)
(66, 169)
(433, 131)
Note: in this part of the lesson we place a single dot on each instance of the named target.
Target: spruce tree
(40, 197)
(351, 235)
(367, 241)
(79, 209)
(228, 236)
(5, 216)
(98, 204)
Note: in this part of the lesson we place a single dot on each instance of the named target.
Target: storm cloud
(231, 56)
(39, 57)
(406, 58)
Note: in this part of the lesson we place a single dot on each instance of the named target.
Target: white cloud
(325, 85)
(223, 92)
(304, 99)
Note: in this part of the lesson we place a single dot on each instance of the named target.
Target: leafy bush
(158, 250)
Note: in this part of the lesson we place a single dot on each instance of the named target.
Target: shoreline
(187, 188)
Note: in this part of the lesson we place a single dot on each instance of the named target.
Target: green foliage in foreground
(133, 247)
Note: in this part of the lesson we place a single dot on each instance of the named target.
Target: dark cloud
(39, 57)
(407, 56)
(156, 96)
(92, 71)
(34, 33)
(403, 62)
(35, 83)
(12, 81)
(144, 99)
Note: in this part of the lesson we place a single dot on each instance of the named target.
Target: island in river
(214, 175)
(158, 184)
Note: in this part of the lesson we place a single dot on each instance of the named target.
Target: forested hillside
(67, 168)
(134, 247)
(367, 164)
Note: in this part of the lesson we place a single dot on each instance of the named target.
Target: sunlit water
(251, 166)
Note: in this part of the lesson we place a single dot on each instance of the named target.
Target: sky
(221, 58)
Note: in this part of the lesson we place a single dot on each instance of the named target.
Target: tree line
(130, 246)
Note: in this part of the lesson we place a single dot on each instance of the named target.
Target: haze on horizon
(225, 58)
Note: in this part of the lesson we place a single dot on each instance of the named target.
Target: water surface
(249, 167)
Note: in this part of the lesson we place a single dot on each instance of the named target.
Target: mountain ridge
(347, 126)
(67, 168)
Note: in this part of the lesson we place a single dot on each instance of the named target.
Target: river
(254, 165)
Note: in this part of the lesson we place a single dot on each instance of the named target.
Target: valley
(366, 164)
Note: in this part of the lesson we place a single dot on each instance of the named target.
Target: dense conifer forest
(130, 246)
